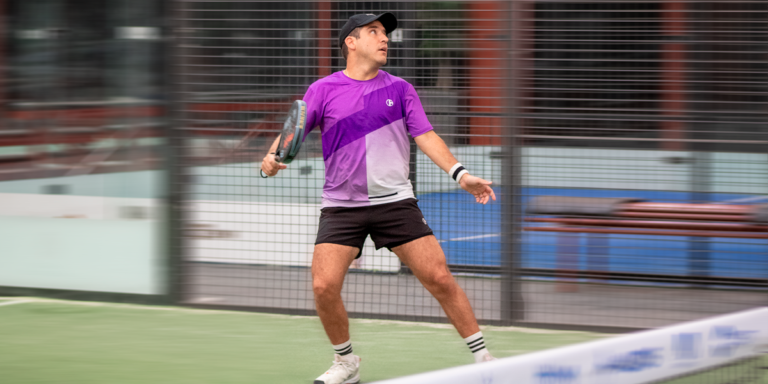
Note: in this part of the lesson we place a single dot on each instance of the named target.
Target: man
(365, 116)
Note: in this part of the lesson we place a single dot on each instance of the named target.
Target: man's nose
(385, 39)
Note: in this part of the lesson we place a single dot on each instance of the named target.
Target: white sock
(476, 344)
(344, 350)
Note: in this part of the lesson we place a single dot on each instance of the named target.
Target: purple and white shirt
(365, 126)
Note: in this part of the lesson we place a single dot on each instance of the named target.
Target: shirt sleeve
(314, 110)
(415, 118)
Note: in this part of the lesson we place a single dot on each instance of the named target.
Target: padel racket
(292, 134)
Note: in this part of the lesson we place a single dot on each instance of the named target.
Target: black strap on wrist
(457, 172)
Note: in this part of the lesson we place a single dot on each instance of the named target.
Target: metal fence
(660, 101)
(654, 101)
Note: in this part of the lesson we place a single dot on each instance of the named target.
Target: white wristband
(457, 171)
(461, 173)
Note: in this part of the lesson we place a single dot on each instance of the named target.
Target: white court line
(471, 237)
(15, 302)
(744, 200)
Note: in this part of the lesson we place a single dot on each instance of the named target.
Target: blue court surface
(470, 234)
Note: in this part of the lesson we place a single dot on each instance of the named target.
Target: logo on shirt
(390, 103)
(424, 220)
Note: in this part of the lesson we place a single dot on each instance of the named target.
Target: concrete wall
(81, 243)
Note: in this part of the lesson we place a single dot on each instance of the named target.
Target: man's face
(372, 44)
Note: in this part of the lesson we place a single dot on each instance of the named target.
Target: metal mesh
(661, 101)
(248, 241)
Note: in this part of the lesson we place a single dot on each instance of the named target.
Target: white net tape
(641, 357)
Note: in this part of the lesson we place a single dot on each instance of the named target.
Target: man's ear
(350, 41)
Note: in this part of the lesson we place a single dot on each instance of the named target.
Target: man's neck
(360, 72)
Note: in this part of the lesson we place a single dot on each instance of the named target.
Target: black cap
(387, 19)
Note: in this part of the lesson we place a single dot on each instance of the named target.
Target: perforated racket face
(293, 129)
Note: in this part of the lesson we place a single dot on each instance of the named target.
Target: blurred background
(131, 133)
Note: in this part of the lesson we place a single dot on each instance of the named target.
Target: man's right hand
(269, 166)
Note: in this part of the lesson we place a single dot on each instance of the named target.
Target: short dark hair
(344, 50)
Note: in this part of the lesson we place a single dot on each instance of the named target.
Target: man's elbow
(427, 138)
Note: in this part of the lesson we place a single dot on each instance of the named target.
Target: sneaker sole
(354, 380)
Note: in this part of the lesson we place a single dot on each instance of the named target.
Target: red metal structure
(686, 220)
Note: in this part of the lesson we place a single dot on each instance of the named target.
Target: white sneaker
(486, 357)
(342, 371)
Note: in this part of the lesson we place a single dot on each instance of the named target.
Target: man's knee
(441, 282)
(324, 288)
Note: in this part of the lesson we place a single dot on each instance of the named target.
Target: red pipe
(654, 224)
(3, 58)
(487, 70)
(737, 235)
(688, 208)
(324, 43)
(682, 216)
(673, 75)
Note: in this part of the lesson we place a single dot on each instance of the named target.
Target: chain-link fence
(652, 102)
(662, 103)
(248, 241)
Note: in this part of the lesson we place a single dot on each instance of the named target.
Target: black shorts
(389, 225)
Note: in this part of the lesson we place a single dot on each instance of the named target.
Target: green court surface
(53, 341)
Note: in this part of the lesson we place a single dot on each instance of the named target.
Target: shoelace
(336, 366)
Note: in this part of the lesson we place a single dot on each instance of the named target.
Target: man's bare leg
(426, 259)
(330, 263)
(329, 266)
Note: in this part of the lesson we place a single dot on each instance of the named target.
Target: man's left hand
(478, 187)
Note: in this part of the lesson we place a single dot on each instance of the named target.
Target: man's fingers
(273, 170)
(480, 188)
(481, 198)
(270, 167)
(484, 195)
(269, 171)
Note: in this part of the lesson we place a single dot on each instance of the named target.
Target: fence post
(173, 145)
(512, 304)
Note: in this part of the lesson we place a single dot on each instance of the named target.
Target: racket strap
(457, 171)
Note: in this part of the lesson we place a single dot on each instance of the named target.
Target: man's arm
(434, 147)
(314, 101)
(268, 165)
